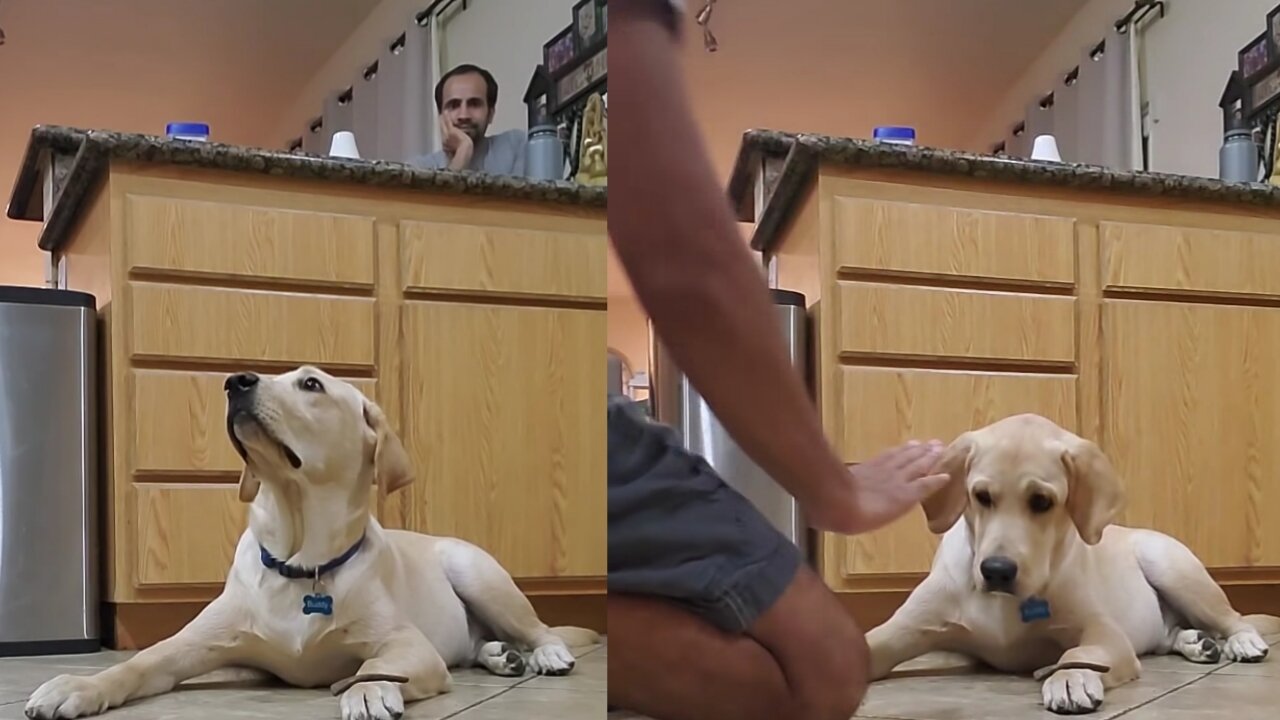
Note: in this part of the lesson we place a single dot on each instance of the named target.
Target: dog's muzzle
(999, 573)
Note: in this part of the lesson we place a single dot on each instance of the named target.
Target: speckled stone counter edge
(93, 149)
(804, 152)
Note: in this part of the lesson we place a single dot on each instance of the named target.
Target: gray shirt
(501, 154)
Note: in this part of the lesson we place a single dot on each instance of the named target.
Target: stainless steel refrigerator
(49, 472)
(675, 402)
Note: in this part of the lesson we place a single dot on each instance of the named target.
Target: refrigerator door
(676, 402)
(49, 594)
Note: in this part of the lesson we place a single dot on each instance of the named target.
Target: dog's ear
(249, 485)
(1094, 494)
(943, 508)
(391, 467)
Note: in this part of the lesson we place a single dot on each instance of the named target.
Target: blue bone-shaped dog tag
(1033, 609)
(317, 604)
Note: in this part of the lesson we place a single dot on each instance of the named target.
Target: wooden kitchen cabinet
(941, 303)
(509, 440)
(478, 325)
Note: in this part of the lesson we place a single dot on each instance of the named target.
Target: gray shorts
(677, 531)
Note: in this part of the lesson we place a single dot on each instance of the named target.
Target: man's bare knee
(837, 672)
(823, 652)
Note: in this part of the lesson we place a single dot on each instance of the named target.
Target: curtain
(364, 114)
(406, 105)
(390, 104)
(338, 115)
(1108, 120)
(1095, 113)
(1066, 116)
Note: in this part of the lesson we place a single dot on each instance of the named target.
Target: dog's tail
(1264, 624)
(576, 636)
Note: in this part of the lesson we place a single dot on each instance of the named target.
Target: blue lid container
(187, 129)
(895, 133)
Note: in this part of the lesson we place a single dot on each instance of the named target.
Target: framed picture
(1255, 56)
(560, 51)
(1265, 90)
(586, 23)
(1273, 29)
(602, 9)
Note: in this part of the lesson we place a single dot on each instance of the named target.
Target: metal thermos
(675, 402)
(544, 154)
(1238, 156)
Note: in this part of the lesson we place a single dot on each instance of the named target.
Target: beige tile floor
(476, 695)
(1171, 688)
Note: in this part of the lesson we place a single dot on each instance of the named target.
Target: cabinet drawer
(235, 240)
(502, 261)
(934, 240)
(187, 534)
(1159, 257)
(174, 321)
(179, 423)
(925, 404)
(896, 320)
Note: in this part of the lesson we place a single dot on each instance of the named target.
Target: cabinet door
(507, 432)
(1192, 423)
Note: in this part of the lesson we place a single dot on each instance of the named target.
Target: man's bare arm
(670, 223)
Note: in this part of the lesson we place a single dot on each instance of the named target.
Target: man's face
(466, 106)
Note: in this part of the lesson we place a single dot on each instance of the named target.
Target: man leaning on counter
(466, 98)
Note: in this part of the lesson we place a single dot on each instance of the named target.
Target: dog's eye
(312, 385)
(984, 498)
(1040, 503)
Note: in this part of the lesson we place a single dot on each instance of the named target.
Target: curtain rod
(440, 5)
(1140, 9)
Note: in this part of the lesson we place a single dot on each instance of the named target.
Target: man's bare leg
(804, 658)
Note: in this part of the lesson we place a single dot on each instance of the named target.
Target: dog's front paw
(1073, 692)
(67, 696)
(1246, 646)
(551, 660)
(377, 700)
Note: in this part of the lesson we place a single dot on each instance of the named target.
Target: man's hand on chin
(457, 145)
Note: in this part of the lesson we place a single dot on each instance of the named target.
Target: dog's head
(1025, 487)
(308, 427)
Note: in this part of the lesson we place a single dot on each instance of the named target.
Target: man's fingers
(902, 455)
(928, 485)
(910, 457)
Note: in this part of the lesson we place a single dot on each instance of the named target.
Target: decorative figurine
(593, 167)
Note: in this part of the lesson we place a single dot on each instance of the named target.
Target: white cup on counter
(1046, 148)
(344, 145)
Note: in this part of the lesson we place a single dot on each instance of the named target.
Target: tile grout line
(1171, 691)
(504, 691)
(478, 703)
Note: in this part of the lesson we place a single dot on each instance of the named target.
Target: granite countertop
(79, 156)
(799, 155)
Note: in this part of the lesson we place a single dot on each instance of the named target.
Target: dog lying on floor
(1036, 579)
(319, 593)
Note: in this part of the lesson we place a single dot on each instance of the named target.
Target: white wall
(505, 37)
(1188, 56)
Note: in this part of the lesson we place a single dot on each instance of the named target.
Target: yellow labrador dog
(319, 593)
(1037, 580)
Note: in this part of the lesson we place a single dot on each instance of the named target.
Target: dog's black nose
(240, 383)
(999, 572)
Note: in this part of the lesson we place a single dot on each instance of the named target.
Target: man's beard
(475, 132)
